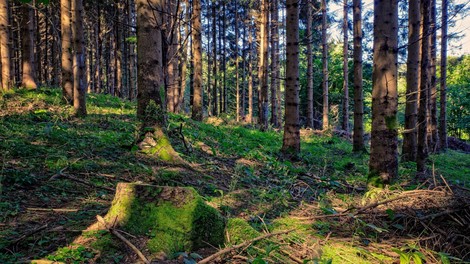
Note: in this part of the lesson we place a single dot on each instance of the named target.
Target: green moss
(374, 180)
(238, 231)
(181, 223)
(343, 253)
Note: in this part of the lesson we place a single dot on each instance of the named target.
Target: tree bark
(237, 85)
(214, 58)
(249, 117)
(425, 85)
(27, 32)
(197, 61)
(358, 135)
(274, 63)
(412, 82)
(383, 165)
(443, 81)
(67, 63)
(309, 66)
(433, 133)
(325, 65)
(79, 78)
(5, 45)
(263, 66)
(345, 121)
(291, 139)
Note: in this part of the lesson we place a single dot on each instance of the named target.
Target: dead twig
(122, 238)
(244, 244)
(28, 234)
(58, 210)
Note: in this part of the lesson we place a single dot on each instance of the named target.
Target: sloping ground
(58, 173)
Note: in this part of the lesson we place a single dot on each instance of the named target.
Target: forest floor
(58, 172)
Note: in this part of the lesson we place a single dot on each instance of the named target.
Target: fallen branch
(244, 244)
(59, 210)
(123, 239)
(30, 233)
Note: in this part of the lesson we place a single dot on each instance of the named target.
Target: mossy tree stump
(174, 219)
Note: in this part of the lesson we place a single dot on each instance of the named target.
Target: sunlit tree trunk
(5, 45)
(383, 165)
(325, 65)
(275, 73)
(79, 77)
(197, 61)
(345, 122)
(291, 140)
(309, 66)
(67, 73)
(358, 135)
(263, 66)
(425, 85)
(443, 80)
(27, 47)
(412, 82)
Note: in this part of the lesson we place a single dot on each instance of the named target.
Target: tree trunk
(222, 51)
(443, 92)
(358, 135)
(79, 81)
(27, 32)
(237, 85)
(345, 122)
(197, 61)
(433, 133)
(249, 117)
(412, 82)
(324, 38)
(309, 65)
(291, 140)
(274, 63)
(214, 57)
(383, 165)
(263, 66)
(424, 87)
(5, 45)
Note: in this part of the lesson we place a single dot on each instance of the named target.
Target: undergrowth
(239, 171)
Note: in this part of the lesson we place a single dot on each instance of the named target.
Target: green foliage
(458, 97)
(77, 254)
(410, 254)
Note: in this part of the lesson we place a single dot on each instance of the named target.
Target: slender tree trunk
(412, 82)
(325, 65)
(424, 87)
(249, 117)
(214, 57)
(244, 82)
(443, 93)
(263, 66)
(358, 135)
(27, 32)
(79, 78)
(433, 133)
(383, 164)
(224, 64)
(291, 140)
(274, 62)
(309, 65)
(197, 60)
(184, 59)
(345, 123)
(5, 45)
(237, 84)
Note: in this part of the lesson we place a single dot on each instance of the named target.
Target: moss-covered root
(157, 143)
(173, 219)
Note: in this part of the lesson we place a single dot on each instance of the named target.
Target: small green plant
(410, 253)
(78, 254)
